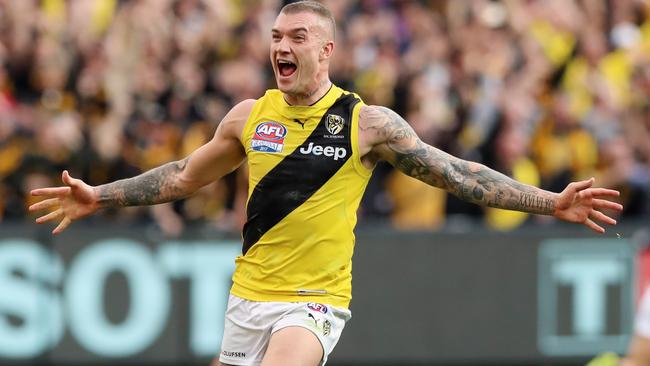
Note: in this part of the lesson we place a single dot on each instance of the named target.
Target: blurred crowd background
(544, 91)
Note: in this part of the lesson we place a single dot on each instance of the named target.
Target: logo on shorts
(233, 354)
(269, 137)
(317, 307)
(327, 328)
(320, 325)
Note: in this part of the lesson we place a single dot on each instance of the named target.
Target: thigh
(323, 322)
(293, 346)
(280, 333)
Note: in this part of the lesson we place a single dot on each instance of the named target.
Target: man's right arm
(171, 181)
(179, 179)
(158, 185)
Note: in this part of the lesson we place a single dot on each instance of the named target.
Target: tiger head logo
(334, 123)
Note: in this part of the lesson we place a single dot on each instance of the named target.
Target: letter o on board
(148, 289)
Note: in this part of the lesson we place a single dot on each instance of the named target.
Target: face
(299, 48)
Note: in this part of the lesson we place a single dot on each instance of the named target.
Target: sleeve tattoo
(155, 186)
(467, 180)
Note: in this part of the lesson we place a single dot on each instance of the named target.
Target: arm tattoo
(467, 180)
(155, 186)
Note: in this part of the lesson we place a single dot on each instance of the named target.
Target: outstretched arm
(158, 185)
(395, 141)
(165, 183)
(177, 179)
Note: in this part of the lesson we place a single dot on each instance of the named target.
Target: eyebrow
(293, 30)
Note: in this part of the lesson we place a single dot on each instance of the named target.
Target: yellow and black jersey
(306, 180)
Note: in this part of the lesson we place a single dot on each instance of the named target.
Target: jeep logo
(329, 151)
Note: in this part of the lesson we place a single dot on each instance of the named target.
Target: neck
(310, 97)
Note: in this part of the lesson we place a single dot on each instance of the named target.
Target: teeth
(285, 62)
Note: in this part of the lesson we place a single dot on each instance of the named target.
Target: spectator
(553, 90)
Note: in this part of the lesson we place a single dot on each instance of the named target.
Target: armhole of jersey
(354, 134)
(246, 132)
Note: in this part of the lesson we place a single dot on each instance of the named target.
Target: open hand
(68, 203)
(580, 203)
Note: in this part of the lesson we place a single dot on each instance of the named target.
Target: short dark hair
(314, 7)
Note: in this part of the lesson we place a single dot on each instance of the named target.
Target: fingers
(597, 215)
(51, 216)
(583, 184)
(55, 195)
(604, 192)
(593, 226)
(51, 191)
(66, 178)
(58, 191)
(45, 204)
(62, 225)
(605, 204)
(54, 215)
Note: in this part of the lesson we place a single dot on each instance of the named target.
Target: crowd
(543, 91)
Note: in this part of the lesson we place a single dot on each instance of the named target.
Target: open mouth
(286, 68)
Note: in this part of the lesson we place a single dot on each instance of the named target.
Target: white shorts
(642, 319)
(249, 325)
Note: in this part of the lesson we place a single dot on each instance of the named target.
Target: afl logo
(269, 137)
(270, 131)
(317, 307)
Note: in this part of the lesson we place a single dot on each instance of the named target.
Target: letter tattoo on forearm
(528, 200)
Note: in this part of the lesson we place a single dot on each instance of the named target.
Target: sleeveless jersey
(306, 181)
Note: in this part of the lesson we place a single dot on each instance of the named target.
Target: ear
(326, 50)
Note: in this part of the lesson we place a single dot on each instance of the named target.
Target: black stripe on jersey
(299, 175)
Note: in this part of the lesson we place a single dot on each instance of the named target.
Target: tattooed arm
(387, 136)
(182, 178)
(158, 185)
(168, 182)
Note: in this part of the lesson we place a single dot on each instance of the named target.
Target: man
(311, 148)
(638, 352)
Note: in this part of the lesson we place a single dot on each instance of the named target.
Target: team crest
(327, 328)
(269, 137)
(334, 123)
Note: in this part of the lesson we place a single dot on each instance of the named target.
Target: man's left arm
(392, 139)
